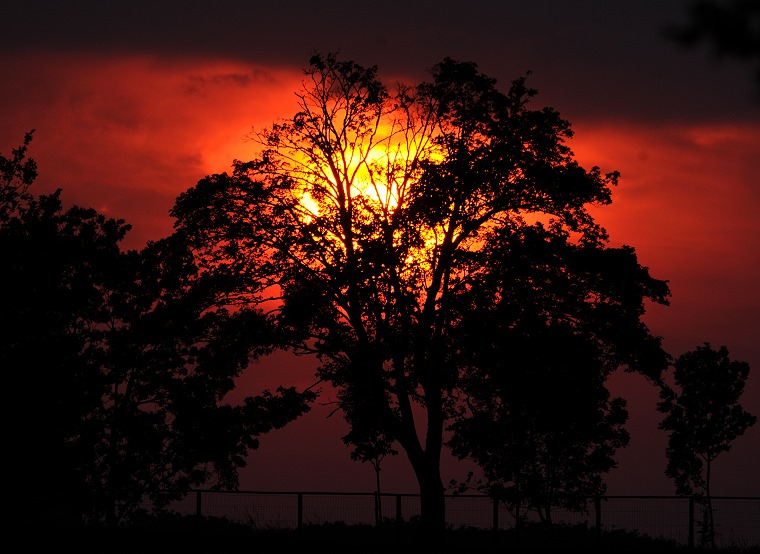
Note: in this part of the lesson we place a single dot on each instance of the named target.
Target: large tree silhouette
(369, 218)
(115, 367)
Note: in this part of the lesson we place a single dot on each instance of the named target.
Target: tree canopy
(380, 225)
(538, 420)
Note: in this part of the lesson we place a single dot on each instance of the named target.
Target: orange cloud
(688, 201)
(127, 135)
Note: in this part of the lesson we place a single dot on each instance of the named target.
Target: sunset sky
(134, 101)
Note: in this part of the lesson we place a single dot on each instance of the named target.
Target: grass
(169, 534)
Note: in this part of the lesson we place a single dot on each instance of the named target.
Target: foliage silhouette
(116, 368)
(16, 176)
(373, 223)
(703, 418)
(537, 417)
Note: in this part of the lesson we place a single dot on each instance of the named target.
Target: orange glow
(127, 135)
(311, 206)
(379, 172)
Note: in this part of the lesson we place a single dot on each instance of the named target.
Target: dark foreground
(170, 535)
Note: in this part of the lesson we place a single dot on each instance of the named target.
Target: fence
(737, 519)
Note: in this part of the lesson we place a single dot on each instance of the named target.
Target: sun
(377, 173)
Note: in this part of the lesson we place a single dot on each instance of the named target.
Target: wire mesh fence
(737, 519)
(666, 517)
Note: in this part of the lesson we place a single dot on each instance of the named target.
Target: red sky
(133, 103)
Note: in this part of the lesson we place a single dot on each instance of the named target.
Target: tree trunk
(378, 501)
(426, 462)
(710, 514)
(432, 499)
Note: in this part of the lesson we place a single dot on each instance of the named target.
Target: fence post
(598, 515)
(300, 510)
(398, 510)
(691, 523)
(198, 503)
(495, 518)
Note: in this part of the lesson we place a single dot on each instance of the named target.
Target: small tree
(703, 418)
(371, 446)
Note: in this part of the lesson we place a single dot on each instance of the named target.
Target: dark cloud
(591, 58)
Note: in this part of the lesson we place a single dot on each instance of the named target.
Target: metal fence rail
(737, 519)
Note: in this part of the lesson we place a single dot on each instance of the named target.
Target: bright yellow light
(378, 171)
(310, 205)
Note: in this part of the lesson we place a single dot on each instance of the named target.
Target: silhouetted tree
(703, 417)
(115, 366)
(172, 353)
(16, 176)
(51, 383)
(370, 446)
(369, 216)
(731, 28)
(537, 417)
